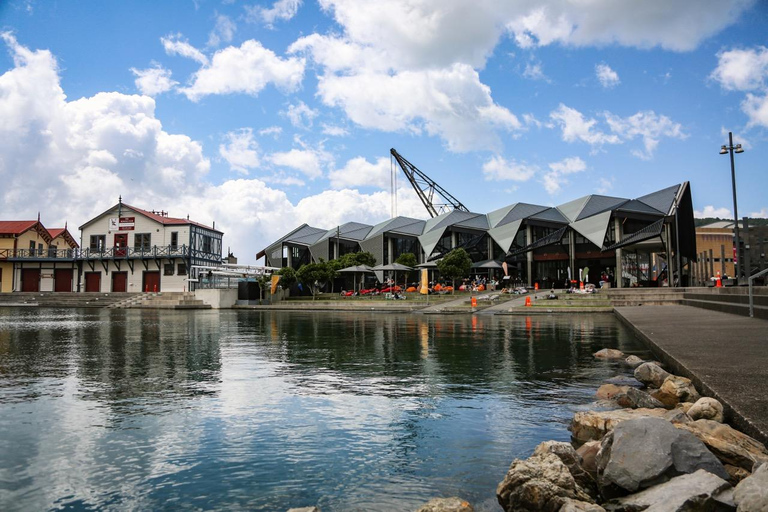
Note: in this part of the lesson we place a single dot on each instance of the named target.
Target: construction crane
(425, 188)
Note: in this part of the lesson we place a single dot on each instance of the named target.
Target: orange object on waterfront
(535, 286)
(528, 302)
(719, 282)
(474, 302)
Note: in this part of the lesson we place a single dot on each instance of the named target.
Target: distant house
(33, 259)
(128, 249)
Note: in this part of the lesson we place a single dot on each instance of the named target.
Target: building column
(572, 252)
(747, 258)
(390, 248)
(453, 240)
(617, 229)
(722, 260)
(289, 258)
(671, 261)
(529, 255)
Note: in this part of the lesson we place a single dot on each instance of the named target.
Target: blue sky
(264, 115)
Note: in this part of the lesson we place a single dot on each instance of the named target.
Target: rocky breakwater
(660, 446)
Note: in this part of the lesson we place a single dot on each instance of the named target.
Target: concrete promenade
(725, 355)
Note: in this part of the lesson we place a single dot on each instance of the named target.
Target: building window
(40, 249)
(182, 271)
(98, 242)
(32, 246)
(206, 244)
(174, 240)
(168, 269)
(142, 242)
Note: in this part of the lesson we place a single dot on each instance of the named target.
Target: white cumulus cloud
(300, 115)
(575, 127)
(358, 172)
(153, 81)
(742, 69)
(174, 45)
(649, 126)
(711, 211)
(223, 31)
(282, 10)
(608, 77)
(240, 150)
(497, 168)
(556, 177)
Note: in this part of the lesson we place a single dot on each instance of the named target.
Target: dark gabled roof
(448, 219)
(305, 235)
(635, 206)
(520, 211)
(400, 225)
(349, 231)
(598, 204)
(661, 200)
(550, 215)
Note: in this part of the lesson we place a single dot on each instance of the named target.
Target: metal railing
(751, 297)
(168, 251)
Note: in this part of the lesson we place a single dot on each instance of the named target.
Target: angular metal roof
(635, 206)
(663, 200)
(505, 234)
(550, 215)
(349, 231)
(598, 204)
(401, 225)
(572, 209)
(513, 213)
(593, 228)
(304, 235)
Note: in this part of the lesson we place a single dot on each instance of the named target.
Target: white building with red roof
(129, 249)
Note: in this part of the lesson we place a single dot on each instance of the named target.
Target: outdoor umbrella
(487, 264)
(357, 269)
(392, 267)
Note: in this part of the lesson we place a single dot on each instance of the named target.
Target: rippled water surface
(149, 410)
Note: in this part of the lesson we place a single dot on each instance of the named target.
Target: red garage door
(151, 282)
(119, 281)
(30, 280)
(62, 280)
(93, 281)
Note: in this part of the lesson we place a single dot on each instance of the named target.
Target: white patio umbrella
(357, 269)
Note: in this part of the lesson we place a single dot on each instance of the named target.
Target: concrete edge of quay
(733, 415)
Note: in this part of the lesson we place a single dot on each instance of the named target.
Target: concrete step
(758, 299)
(728, 307)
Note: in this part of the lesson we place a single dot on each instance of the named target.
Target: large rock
(571, 505)
(681, 388)
(622, 380)
(587, 456)
(706, 409)
(752, 493)
(608, 391)
(609, 353)
(651, 374)
(593, 425)
(728, 444)
(669, 401)
(447, 505)
(633, 361)
(568, 456)
(697, 491)
(539, 483)
(644, 452)
(636, 399)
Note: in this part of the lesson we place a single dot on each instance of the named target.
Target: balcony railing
(168, 251)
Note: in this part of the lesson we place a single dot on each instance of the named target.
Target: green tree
(315, 276)
(409, 260)
(287, 277)
(456, 264)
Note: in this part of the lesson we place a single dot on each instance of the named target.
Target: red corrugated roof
(68, 236)
(15, 227)
(168, 221)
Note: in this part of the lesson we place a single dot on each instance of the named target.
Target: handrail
(106, 253)
(751, 298)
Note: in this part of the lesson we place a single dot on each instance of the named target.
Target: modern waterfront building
(636, 241)
(717, 250)
(127, 249)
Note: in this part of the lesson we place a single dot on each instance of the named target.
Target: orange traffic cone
(536, 286)
(474, 302)
(528, 302)
(581, 285)
(718, 282)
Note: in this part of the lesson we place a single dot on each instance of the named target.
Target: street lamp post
(724, 150)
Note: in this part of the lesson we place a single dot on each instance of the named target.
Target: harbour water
(153, 410)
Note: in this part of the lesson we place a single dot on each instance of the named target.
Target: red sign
(122, 224)
(735, 256)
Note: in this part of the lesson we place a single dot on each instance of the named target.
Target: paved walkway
(725, 355)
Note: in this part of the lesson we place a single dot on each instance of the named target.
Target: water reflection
(241, 409)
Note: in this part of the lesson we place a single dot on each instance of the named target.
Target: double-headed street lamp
(724, 150)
